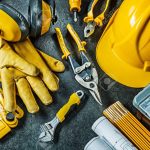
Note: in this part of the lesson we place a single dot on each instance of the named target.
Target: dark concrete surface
(76, 131)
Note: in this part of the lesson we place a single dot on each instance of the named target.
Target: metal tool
(93, 22)
(85, 74)
(75, 7)
(48, 129)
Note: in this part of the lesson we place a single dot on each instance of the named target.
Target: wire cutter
(93, 22)
(85, 74)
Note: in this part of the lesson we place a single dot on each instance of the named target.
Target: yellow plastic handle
(18, 113)
(99, 19)
(80, 44)
(75, 4)
(4, 128)
(90, 15)
(62, 44)
(73, 100)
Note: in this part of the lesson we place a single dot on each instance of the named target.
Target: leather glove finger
(25, 92)
(54, 64)
(27, 51)
(40, 90)
(9, 91)
(8, 58)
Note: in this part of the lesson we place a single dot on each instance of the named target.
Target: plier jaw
(93, 22)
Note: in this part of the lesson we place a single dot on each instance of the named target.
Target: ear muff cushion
(35, 17)
(18, 18)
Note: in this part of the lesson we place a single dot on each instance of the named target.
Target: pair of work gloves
(24, 69)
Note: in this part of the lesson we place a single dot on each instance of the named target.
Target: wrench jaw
(48, 130)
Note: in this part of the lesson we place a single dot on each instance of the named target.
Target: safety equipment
(14, 26)
(123, 49)
(20, 64)
(39, 17)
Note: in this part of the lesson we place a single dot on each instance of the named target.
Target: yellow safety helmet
(123, 51)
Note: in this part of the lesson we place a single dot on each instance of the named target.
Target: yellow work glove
(24, 77)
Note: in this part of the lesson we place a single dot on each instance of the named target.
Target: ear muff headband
(35, 17)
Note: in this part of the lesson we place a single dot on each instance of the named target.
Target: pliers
(85, 74)
(93, 22)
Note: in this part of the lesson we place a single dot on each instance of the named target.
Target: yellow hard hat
(123, 51)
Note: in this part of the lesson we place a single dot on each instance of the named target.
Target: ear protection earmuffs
(39, 17)
(14, 26)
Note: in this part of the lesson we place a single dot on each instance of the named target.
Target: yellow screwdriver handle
(99, 19)
(90, 15)
(73, 100)
(80, 44)
(62, 44)
(75, 5)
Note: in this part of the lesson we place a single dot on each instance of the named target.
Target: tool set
(127, 33)
(85, 74)
(128, 125)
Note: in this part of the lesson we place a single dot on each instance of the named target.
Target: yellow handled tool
(93, 22)
(75, 6)
(73, 100)
(85, 72)
(8, 120)
(62, 44)
(48, 129)
(80, 44)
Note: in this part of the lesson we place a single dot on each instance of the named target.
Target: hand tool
(129, 125)
(75, 6)
(109, 137)
(48, 129)
(8, 120)
(85, 74)
(93, 22)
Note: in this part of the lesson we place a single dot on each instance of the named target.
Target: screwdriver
(75, 7)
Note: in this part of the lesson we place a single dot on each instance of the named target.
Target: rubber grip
(73, 100)
(73, 33)
(62, 44)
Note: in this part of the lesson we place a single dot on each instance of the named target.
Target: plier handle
(93, 22)
(84, 69)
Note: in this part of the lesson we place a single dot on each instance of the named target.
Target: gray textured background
(76, 131)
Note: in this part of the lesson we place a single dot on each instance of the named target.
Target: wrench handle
(73, 101)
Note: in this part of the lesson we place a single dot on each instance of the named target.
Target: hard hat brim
(115, 67)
